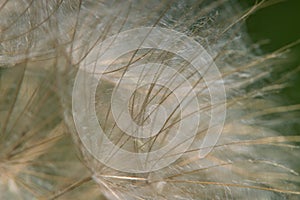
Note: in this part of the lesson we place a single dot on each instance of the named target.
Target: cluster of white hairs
(45, 43)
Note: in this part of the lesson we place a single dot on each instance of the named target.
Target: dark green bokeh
(280, 24)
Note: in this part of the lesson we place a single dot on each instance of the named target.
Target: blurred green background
(280, 24)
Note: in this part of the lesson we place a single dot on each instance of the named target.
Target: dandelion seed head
(44, 45)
